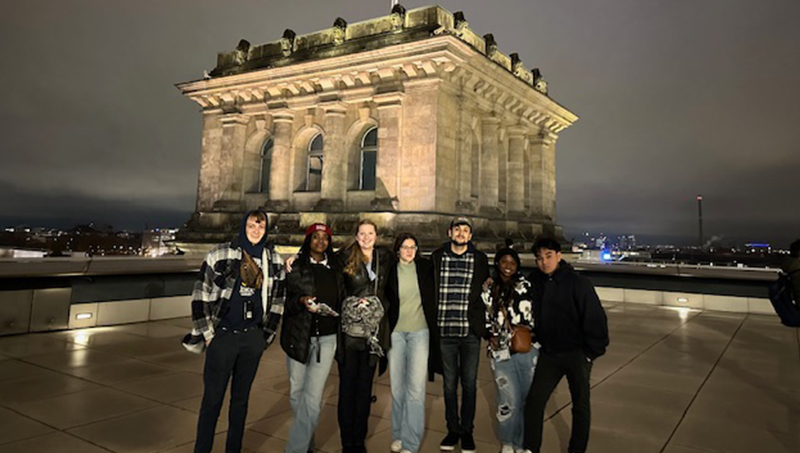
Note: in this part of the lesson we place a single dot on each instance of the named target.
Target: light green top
(411, 318)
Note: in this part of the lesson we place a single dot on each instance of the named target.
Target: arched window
(369, 156)
(314, 171)
(266, 166)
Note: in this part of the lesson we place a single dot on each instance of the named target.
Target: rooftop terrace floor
(672, 381)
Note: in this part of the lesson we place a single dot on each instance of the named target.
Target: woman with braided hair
(509, 323)
(315, 290)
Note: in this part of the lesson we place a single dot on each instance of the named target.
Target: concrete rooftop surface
(673, 381)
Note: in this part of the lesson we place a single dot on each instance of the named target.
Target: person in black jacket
(366, 268)
(572, 328)
(791, 266)
(309, 332)
(412, 300)
(460, 271)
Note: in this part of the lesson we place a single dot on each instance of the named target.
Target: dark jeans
(549, 371)
(355, 397)
(460, 356)
(229, 354)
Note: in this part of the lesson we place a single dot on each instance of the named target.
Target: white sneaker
(397, 446)
(507, 448)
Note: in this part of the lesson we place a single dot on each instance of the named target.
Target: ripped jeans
(512, 380)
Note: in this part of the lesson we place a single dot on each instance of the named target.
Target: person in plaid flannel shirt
(237, 305)
(460, 271)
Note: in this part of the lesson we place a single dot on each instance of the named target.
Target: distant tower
(700, 219)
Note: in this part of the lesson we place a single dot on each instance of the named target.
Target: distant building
(407, 119)
(158, 242)
(627, 242)
(601, 242)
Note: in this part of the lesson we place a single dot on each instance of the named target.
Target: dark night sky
(675, 98)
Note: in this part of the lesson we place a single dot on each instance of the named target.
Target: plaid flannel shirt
(216, 283)
(454, 288)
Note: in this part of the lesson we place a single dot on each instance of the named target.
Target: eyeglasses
(408, 247)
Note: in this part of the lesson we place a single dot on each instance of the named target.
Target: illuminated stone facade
(415, 116)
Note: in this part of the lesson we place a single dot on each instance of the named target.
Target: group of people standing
(368, 307)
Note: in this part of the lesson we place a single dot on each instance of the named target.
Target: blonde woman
(365, 267)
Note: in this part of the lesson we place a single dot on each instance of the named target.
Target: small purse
(520, 341)
(250, 273)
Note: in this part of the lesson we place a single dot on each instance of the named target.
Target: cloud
(65, 209)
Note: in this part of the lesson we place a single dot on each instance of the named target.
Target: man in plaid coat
(459, 272)
(237, 305)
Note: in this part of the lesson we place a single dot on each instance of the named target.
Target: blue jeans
(512, 380)
(306, 385)
(460, 357)
(408, 367)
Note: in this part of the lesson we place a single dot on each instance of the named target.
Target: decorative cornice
(333, 107)
(400, 27)
(365, 77)
(234, 119)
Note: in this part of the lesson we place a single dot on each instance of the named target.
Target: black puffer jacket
(297, 320)
(360, 285)
(568, 313)
(791, 266)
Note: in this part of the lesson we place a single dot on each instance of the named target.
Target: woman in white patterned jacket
(509, 313)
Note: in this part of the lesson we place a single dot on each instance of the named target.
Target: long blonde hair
(355, 257)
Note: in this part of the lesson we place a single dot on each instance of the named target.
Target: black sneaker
(467, 443)
(449, 442)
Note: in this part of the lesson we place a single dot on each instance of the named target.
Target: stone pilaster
(549, 168)
(543, 179)
(280, 173)
(334, 158)
(516, 178)
(234, 135)
(387, 169)
(526, 172)
(490, 132)
(502, 169)
(208, 191)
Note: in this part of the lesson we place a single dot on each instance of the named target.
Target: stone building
(407, 119)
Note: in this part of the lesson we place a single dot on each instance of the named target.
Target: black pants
(355, 397)
(460, 357)
(549, 371)
(229, 354)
